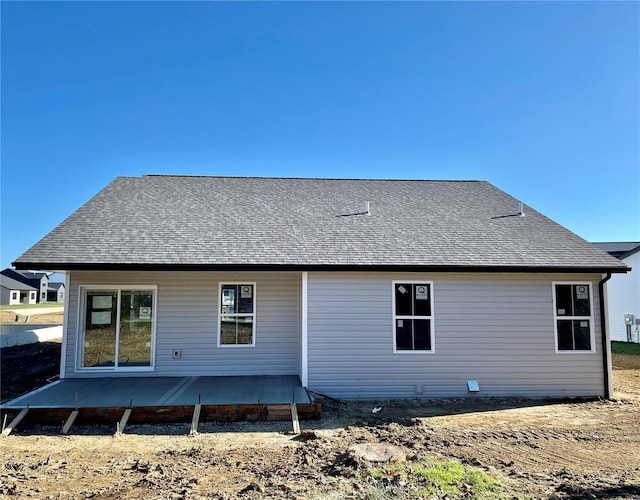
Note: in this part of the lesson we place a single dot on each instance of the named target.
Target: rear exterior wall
(187, 317)
(495, 329)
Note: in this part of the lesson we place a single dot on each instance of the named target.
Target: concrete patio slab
(240, 390)
(123, 392)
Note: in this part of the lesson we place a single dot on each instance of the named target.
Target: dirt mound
(536, 449)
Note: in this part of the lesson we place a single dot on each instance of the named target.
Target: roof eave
(62, 267)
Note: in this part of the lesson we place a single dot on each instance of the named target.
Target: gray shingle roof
(12, 284)
(619, 249)
(230, 221)
(33, 276)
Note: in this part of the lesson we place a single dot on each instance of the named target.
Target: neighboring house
(363, 288)
(55, 292)
(624, 292)
(39, 281)
(13, 292)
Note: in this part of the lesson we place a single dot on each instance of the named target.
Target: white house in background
(39, 281)
(13, 292)
(363, 288)
(624, 291)
(46, 290)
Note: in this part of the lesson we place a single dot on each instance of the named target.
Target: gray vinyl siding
(187, 319)
(496, 329)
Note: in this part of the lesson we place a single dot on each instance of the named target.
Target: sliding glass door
(118, 328)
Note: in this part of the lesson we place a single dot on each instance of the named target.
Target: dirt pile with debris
(535, 449)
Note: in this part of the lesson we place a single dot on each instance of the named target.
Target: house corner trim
(65, 326)
(304, 372)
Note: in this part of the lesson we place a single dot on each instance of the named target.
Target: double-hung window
(573, 317)
(237, 314)
(412, 316)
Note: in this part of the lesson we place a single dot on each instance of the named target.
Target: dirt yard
(30, 366)
(9, 318)
(536, 449)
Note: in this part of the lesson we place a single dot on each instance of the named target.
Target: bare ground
(9, 318)
(538, 449)
(28, 367)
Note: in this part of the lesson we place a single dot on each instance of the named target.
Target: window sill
(396, 351)
(558, 351)
(115, 369)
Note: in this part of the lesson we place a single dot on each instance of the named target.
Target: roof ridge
(306, 178)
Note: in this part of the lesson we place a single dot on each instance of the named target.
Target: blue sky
(541, 99)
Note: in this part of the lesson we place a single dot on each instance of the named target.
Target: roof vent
(367, 211)
(521, 210)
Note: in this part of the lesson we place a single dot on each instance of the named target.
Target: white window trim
(304, 377)
(218, 329)
(394, 317)
(82, 300)
(592, 326)
(65, 329)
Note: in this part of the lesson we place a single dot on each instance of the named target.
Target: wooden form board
(72, 418)
(163, 414)
(285, 412)
(123, 421)
(294, 419)
(14, 423)
(195, 420)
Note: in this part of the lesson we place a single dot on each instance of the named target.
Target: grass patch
(428, 478)
(16, 307)
(625, 348)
